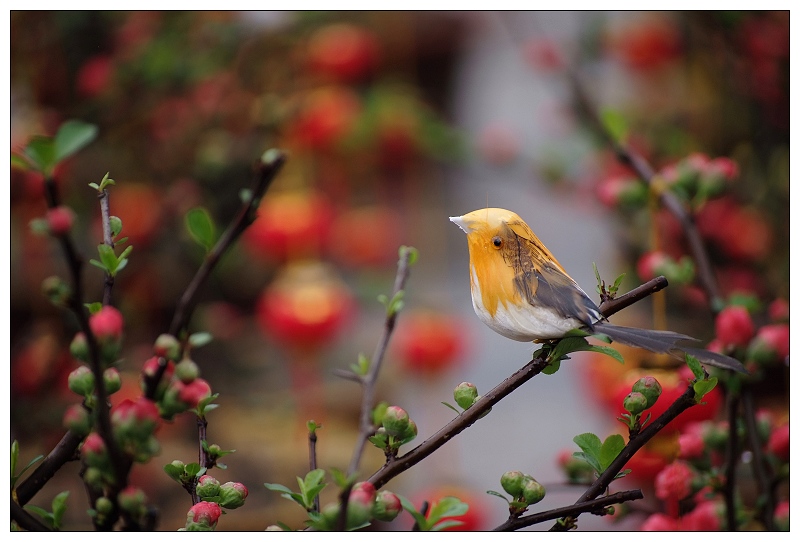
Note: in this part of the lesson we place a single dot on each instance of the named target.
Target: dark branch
(25, 520)
(731, 461)
(64, 451)
(760, 465)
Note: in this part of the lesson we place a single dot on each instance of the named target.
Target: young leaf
(451, 407)
(444, 508)
(42, 153)
(116, 225)
(59, 507)
(202, 338)
(201, 227)
(694, 365)
(610, 449)
(702, 387)
(591, 446)
(72, 136)
(420, 519)
(615, 123)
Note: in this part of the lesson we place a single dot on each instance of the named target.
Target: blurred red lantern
(343, 51)
(305, 306)
(326, 115)
(289, 225)
(429, 342)
(366, 237)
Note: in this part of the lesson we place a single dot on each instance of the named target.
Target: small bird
(521, 291)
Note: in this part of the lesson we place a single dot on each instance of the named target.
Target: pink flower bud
(387, 506)
(651, 264)
(779, 310)
(782, 516)
(77, 420)
(359, 507)
(132, 499)
(193, 392)
(94, 450)
(207, 486)
(59, 220)
(706, 516)
(151, 367)
(512, 482)
(532, 491)
(734, 326)
(779, 442)
(112, 380)
(634, 402)
(167, 346)
(79, 348)
(203, 514)
(136, 419)
(232, 495)
(674, 482)
(691, 445)
(465, 394)
(366, 487)
(724, 167)
(107, 324)
(776, 337)
(660, 522)
(395, 421)
(650, 388)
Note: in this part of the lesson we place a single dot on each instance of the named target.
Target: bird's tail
(665, 342)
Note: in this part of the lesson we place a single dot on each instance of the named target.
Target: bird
(521, 291)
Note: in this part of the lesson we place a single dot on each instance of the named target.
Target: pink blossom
(674, 482)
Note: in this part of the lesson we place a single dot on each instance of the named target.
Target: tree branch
(573, 510)
(26, 520)
(64, 451)
(105, 219)
(395, 467)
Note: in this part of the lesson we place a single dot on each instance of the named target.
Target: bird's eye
(497, 242)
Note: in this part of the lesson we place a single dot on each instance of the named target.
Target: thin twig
(399, 465)
(312, 459)
(760, 466)
(731, 461)
(105, 219)
(645, 172)
(573, 510)
(267, 168)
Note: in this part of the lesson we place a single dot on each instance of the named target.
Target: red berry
(734, 326)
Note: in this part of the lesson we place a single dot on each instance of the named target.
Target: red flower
(734, 326)
(674, 482)
(343, 51)
(650, 265)
(659, 522)
(779, 442)
(691, 445)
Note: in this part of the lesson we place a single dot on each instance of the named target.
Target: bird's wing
(540, 279)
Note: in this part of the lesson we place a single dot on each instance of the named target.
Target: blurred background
(392, 121)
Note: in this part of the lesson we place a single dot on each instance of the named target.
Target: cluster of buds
(180, 388)
(524, 490)
(698, 177)
(395, 428)
(363, 505)
(644, 394)
(134, 424)
(229, 495)
(737, 335)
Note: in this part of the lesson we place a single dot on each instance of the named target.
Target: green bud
(111, 380)
(387, 506)
(79, 347)
(56, 290)
(132, 500)
(410, 433)
(104, 506)
(532, 491)
(635, 402)
(187, 371)
(232, 495)
(512, 482)
(465, 394)
(650, 388)
(395, 420)
(81, 381)
(167, 346)
(78, 420)
(93, 477)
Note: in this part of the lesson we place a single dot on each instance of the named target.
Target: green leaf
(44, 514)
(173, 471)
(313, 426)
(341, 479)
(446, 524)
(192, 469)
(552, 367)
(94, 308)
(694, 365)
(593, 461)
(201, 227)
(108, 258)
(315, 477)
(14, 459)
(496, 494)
(607, 350)
(202, 338)
(41, 152)
(59, 507)
(702, 387)
(278, 488)
(451, 407)
(72, 136)
(420, 519)
(615, 288)
(565, 346)
(610, 449)
(116, 225)
(18, 161)
(623, 474)
(447, 507)
(591, 446)
(379, 440)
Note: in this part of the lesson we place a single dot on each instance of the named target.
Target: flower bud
(149, 370)
(465, 394)
(93, 478)
(111, 380)
(107, 324)
(512, 482)
(650, 388)
(395, 421)
(79, 347)
(635, 402)
(192, 393)
(56, 290)
(359, 507)
(203, 516)
(81, 381)
(674, 482)
(232, 495)
(779, 310)
(366, 487)
(410, 433)
(207, 486)
(781, 516)
(532, 491)
(778, 443)
(132, 500)
(734, 326)
(59, 220)
(78, 420)
(103, 506)
(94, 451)
(135, 420)
(167, 346)
(187, 371)
(387, 506)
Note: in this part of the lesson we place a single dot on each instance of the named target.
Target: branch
(574, 510)
(645, 172)
(312, 458)
(64, 451)
(760, 466)
(394, 467)
(267, 168)
(25, 520)
(685, 401)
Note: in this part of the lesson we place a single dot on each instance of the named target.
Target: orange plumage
(521, 291)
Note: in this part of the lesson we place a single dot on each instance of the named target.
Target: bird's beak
(461, 223)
